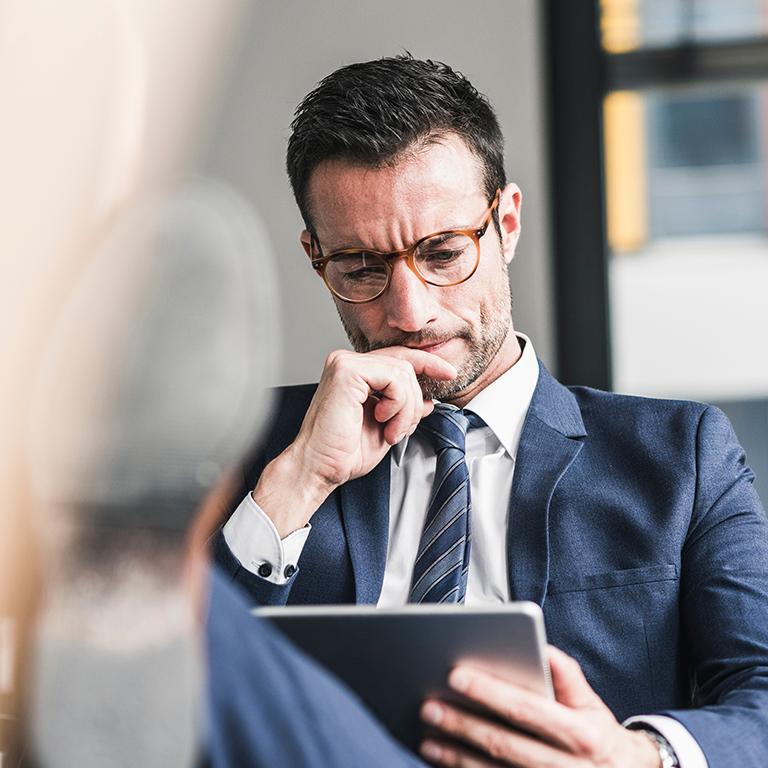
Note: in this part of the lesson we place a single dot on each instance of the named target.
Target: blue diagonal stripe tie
(440, 572)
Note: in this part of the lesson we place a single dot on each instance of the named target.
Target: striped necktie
(440, 572)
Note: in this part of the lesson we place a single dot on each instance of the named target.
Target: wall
(290, 46)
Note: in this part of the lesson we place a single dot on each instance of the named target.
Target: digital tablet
(395, 658)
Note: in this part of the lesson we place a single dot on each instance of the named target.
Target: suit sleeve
(269, 704)
(258, 590)
(291, 404)
(724, 603)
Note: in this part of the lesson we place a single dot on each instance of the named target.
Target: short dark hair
(373, 113)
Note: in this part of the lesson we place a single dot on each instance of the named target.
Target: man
(631, 522)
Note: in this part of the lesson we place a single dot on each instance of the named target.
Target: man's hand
(575, 731)
(364, 404)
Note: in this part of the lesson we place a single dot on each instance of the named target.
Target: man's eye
(364, 273)
(445, 250)
(357, 267)
(443, 255)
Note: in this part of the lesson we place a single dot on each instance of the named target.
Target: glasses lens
(356, 276)
(447, 258)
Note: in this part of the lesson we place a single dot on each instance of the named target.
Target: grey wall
(291, 44)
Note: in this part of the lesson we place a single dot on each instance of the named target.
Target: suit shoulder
(648, 416)
(296, 397)
(599, 401)
(290, 406)
(675, 433)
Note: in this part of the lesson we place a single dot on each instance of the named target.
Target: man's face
(389, 209)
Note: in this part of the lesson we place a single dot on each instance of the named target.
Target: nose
(411, 303)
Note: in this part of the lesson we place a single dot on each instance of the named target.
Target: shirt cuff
(687, 749)
(253, 539)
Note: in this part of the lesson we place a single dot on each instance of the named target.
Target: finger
(418, 362)
(400, 405)
(496, 741)
(422, 362)
(520, 707)
(390, 376)
(397, 393)
(427, 407)
(443, 753)
(578, 730)
(570, 686)
(349, 380)
(401, 419)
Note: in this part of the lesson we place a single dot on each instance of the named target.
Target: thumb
(571, 687)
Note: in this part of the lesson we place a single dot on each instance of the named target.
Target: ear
(509, 218)
(306, 241)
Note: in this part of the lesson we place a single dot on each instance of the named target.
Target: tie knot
(445, 428)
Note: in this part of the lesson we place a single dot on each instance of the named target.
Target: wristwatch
(666, 753)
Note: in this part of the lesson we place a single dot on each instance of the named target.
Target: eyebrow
(365, 249)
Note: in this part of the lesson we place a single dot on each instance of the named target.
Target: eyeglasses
(442, 259)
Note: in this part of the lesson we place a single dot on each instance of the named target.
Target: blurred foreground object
(103, 100)
(154, 382)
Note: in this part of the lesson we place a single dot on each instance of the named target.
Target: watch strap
(666, 753)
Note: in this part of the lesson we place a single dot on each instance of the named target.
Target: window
(685, 120)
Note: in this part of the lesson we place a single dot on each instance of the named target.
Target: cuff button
(265, 570)
(289, 571)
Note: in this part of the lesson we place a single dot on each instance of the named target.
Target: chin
(432, 389)
(439, 390)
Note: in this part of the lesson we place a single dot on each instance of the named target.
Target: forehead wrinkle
(390, 208)
(384, 219)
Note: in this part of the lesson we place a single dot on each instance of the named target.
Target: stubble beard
(483, 346)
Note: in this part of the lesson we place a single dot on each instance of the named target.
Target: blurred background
(686, 171)
(635, 128)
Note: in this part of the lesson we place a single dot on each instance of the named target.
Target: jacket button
(265, 569)
(289, 571)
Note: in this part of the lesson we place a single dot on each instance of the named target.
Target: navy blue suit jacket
(632, 522)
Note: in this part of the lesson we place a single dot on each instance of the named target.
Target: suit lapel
(549, 443)
(365, 516)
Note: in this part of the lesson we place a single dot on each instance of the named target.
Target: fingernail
(459, 680)
(432, 713)
(430, 751)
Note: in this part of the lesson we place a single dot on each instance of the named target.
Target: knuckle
(336, 359)
(498, 744)
(336, 354)
(452, 758)
(451, 721)
(404, 368)
(587, 742)
(519, 712)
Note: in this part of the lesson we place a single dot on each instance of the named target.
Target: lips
(431, 347)
(423, 342)
(435, 347)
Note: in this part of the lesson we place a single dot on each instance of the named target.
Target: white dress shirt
(491, 452)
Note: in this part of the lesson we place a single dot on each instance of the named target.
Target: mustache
(418, 339)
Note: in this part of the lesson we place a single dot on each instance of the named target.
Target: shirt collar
(503, 404)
